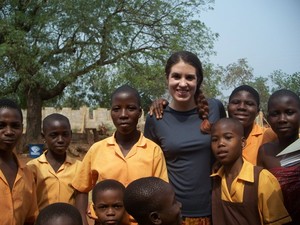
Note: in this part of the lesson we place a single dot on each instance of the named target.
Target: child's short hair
(141, 197)
(127, 88)
(284, 92)
(58, 209)
(248, 89)
(55, 116)
(10, 104)
(109, 184)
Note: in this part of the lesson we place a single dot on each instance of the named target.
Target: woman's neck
(182, 106)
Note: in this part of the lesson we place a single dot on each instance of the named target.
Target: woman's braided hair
(200, 100)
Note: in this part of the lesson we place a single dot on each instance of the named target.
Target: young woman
(183, 134)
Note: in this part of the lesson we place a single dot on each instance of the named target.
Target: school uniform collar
(246, 173)
(140, 143)
(256, 130)
(43, 159)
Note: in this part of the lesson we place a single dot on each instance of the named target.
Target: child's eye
(214, 139)
(132, 108)
(102, 207)
(234, 101)
(16, 125)
(250, 103)
(228, 137)
(290, 112)
(118, 206)
(115, 109)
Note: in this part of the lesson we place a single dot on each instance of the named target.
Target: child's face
(171, 213)
(57, 135)
(243, 107)
(125, 112)
(226, 142)
(109, 207)
(284, 116)
(11, 128)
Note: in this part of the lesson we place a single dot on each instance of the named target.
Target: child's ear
(244, 142)
(154, 217)
(141, 112)
(43, 137)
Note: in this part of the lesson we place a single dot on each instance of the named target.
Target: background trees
(73, 52)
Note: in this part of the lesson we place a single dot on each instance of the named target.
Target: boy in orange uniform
(18, 203)
(125, 156)
(54, 169)
(152, 201)
(242, 193)
(108, 203)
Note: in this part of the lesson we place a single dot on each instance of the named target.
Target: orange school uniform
(258, 136)
(270, 200)
(18, 205)
(54, 186)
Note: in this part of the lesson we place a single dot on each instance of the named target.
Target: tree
(260, 84)
(287, 81)
(46, 46)
(236, 74)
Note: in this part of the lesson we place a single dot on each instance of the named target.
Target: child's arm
(81, 202)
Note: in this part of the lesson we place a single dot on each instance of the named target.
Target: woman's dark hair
(200, 100)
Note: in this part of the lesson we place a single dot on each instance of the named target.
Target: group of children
(52, 185)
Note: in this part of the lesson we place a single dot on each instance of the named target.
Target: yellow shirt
(18, 205)
(54, 186)
(270, 200)
(104, 160)
(258, 136)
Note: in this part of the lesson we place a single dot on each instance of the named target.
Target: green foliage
(236, 74)
(260, 84)
(287, 81)
(63, 52)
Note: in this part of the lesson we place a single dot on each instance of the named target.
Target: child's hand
(157, 107)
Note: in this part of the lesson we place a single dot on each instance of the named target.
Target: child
(59, 214)
(18, 192)
(151, 201)
(54, 169)
(284, 118)
(125, 156)
(108, 204)
(242, 193)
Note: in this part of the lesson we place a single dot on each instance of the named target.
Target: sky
(265, 32)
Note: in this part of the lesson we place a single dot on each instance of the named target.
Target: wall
(84, 118)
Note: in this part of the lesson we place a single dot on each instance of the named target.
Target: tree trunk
(34, 117)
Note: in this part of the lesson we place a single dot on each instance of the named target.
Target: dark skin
(227, 143)
(57, 134)
(284, 118)
(125, 113)
(11, 129)
(10, 132)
